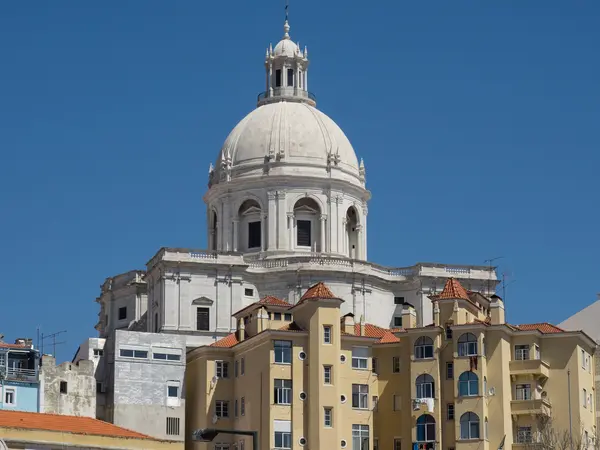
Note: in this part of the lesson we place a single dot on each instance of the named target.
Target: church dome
(287, 48)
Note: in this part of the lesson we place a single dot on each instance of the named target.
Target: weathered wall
(80, 396)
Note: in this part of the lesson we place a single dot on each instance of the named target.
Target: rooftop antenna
(54, 343)
(504, 285)
(489, 264)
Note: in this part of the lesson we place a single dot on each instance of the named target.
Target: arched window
(426, 428)
(352, 233)
(248, 232)
(213, 238)
(425, 386)
(308, 227)
(485, 391)
(485, 429)
(424, 348)
(469, 426)
(467, 345)
(468, 384)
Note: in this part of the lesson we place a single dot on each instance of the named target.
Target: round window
(343, 398)
(302, 441)
(343, 358)
(302, 395)
(344, 443)
(302, 356)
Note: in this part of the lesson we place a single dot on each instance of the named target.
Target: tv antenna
(504, 285)
(489, 262)
(51, 336)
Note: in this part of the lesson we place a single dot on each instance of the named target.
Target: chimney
(349, 324)
(497, 315)
(409, 316)
(241, 330)
(436, 314)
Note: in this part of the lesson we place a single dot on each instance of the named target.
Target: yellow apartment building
(304, 376)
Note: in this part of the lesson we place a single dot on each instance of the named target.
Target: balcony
(534, 367)
(19, 374)
(425, 445)
(289, 93)
(539, 406)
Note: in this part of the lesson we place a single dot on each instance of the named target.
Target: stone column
(345, 250)
(359, 240)
(270, 82)
(291, 223)
(322, 247)
(263, 223)
(282, 235)
(236, 236)
(340, 233)
(211, 238)
(364, 233)
(272, 213)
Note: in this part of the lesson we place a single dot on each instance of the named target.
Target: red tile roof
(227, 342)
(64, 424)
(274, 301)
(453, 290)
(319, 290)
(543, 327)
(373, 331)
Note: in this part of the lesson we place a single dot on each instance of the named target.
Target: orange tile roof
(373, 331)
(292, 326)
(319, 290)
(453, 290)
(6, 345)
(227, 342)
(274, 301)
(543, 327)
(64, 424)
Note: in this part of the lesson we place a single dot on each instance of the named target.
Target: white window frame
(585, 398)
(522, 352)
(328, 417)
(283, 354)
(524, 435)
(395, 364)
(523, 391)
(397, 399)
(449, 371)
(327, 334)
(12, 391)
(283, 430)
(360, 392)
(359, 433)
(327, 375)
(243, 406)
(170, 354)
(135, 352)
(221, 369)
(450, 411)
(282, 391)
(173, 401)
(222, 409)
(359, 360)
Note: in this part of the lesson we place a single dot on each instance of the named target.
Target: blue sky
(478, 123)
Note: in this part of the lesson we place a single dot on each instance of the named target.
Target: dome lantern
(286, 69)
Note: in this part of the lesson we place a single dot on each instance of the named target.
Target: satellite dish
(215, 419)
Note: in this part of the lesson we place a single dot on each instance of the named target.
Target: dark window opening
(123, 313)
(277, 316)
(288, 317)
(63, 387)
(304, 237)
(203, 319)
(249, 292)
(278, 78)
(290, 77)
(398, 300)
(254, 233)
(156, 323)
(398, 322)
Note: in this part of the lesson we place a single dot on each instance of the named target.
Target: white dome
(287, 48)
(295, 135)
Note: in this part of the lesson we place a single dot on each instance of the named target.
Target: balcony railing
(529, 367)
(534, 406)
(21, 374)
(286, 92)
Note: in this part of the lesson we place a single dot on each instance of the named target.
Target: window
(583, 359)
(242, 445)
(327, 374)
(10, 397)
(98, 352)
(360, 355)
(243, 406)
(130, 353)
(235, 408)
(375, 443)
(283, 392)
(396, 364)
(63, 387)
(536, 352)
(243, 366)
(485, 389)
(221, 446)
(360, 437)
(467, 345)
(586, 439)
(156, 323)
(360, 396)
(278, 78)
(448, 332)
(398, 321)
(303, 238)
(524, 435)
(397, 403)
(585, 398)
(449, 371)
(222, 408)
(375, 403)
(166, 354)
(398, 300)
(424, 348)
(327, 334)
(468, 384)
(202, 319)
(236, 367)
(254, 234)
(397, 444)
(485, 429)
(287, 317)
(450, 411)
(99, 388)
(521, 352)
(426, 428)
(173, 391)
(123, 313)
(276, 316)
(172, 426)
(283, 433)
(425, 386)
(469, 426)
(290, 77)
(374, 365)
(523, 392)
(222, 369)
(283, 352)
(328, 417)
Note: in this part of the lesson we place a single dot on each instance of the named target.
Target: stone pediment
(202, 301)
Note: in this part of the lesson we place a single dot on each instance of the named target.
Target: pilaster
(272, 217)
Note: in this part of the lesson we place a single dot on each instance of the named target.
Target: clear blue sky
(478, 123)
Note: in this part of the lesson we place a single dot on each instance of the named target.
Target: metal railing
(286, 92)
(21, 374)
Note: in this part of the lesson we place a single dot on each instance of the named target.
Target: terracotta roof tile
(227, 342)
(61, 423)
(453, 290)
(373, 331)
(319, 290)
(274, 301)
(543, 327)
(292, 326)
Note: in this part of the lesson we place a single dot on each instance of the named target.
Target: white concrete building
(287, 206)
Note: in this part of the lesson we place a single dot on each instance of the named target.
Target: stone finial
(286, 30)
(305, 52)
